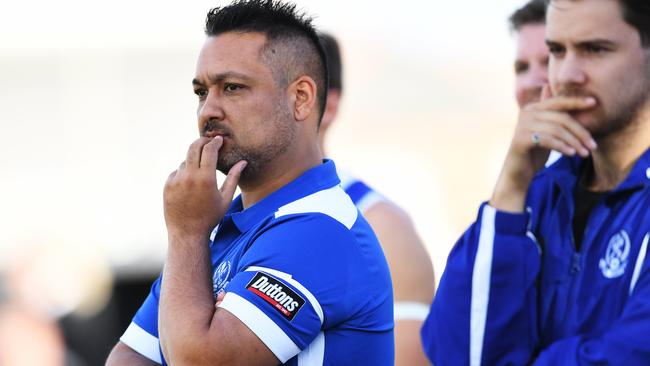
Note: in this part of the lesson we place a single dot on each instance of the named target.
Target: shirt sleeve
(142, 333)
(284, 278)
(484, 312)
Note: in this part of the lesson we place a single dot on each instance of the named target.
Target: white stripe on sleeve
(481, 285)
(410, 310)
(314, 354)
(264, 328)
(639, 262)
(142, 342)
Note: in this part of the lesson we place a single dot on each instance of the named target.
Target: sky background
(96, 109)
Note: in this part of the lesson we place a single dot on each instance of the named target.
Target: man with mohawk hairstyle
(300, 276)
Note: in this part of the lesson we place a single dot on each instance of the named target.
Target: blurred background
(96, 109)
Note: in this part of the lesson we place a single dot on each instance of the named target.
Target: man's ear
(303, 91)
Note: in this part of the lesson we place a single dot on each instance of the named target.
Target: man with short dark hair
(408, 260)
(554, 271)
(299, 275)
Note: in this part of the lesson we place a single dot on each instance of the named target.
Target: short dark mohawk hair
(284, 26)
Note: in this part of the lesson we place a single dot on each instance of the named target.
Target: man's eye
(201, 93)
(593, 49)
(521, 67)
(556, 50)
(232, 87)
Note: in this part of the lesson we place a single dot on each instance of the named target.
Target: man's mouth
(213, 134)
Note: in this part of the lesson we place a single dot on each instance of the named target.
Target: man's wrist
(185, 238)
(510, 196)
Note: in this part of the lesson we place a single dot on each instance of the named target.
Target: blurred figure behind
(531, 59)
(409, 262)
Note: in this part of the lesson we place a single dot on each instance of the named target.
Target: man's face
(595, 53)
(531, 63)
(240, 100)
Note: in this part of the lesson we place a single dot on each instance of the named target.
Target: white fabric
(314, 354)
(264, 328)
(142, 342)
(481, 284)
(410, 310)
(333, 202)
(346, 178)
(288, 278)
(640, 259)
(552, 158)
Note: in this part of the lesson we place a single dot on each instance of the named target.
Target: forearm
(408, 347)
(489, 281)
(186, 301)
(123, 355)
(512, 186)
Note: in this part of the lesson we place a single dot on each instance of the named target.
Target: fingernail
(590, 100)
(592, 144)
(572, 152)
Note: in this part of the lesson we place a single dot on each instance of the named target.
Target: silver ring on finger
(535, 138)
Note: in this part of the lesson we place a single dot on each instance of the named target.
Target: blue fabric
(343, 268)
(357, 191)
(548, 304)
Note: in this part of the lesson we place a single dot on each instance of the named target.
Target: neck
(322, 147)
(617, 154)
(278, 173)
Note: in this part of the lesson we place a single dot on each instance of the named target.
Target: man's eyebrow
(550, 42)
(596, 41)
(219, 78)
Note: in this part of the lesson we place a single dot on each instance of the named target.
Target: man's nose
(211, 108)
(570, 71)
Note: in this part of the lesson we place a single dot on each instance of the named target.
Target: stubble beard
(629, 107)
(258, 157)
(625, 113)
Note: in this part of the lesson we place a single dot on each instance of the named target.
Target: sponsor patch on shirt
(286, 301)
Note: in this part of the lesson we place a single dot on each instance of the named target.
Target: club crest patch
(283, 299)
(613, 264)
(220, 277)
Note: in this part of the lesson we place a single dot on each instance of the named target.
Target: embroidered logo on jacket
(220, 277)
(286, 301)
(616, 257)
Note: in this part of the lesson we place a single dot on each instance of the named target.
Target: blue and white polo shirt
(304, 271)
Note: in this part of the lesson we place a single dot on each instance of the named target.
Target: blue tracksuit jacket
(516, 292)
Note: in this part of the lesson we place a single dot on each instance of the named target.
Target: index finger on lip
(210, 153)
(194, 152)
(568, 103)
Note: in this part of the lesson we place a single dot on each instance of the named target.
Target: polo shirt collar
(311, 181)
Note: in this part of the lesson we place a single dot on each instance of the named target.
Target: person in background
(554, 271)
(531, 58)
(409, 262)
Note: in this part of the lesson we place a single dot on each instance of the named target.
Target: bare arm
(123, 355)
(191, 331)
(411, 272)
